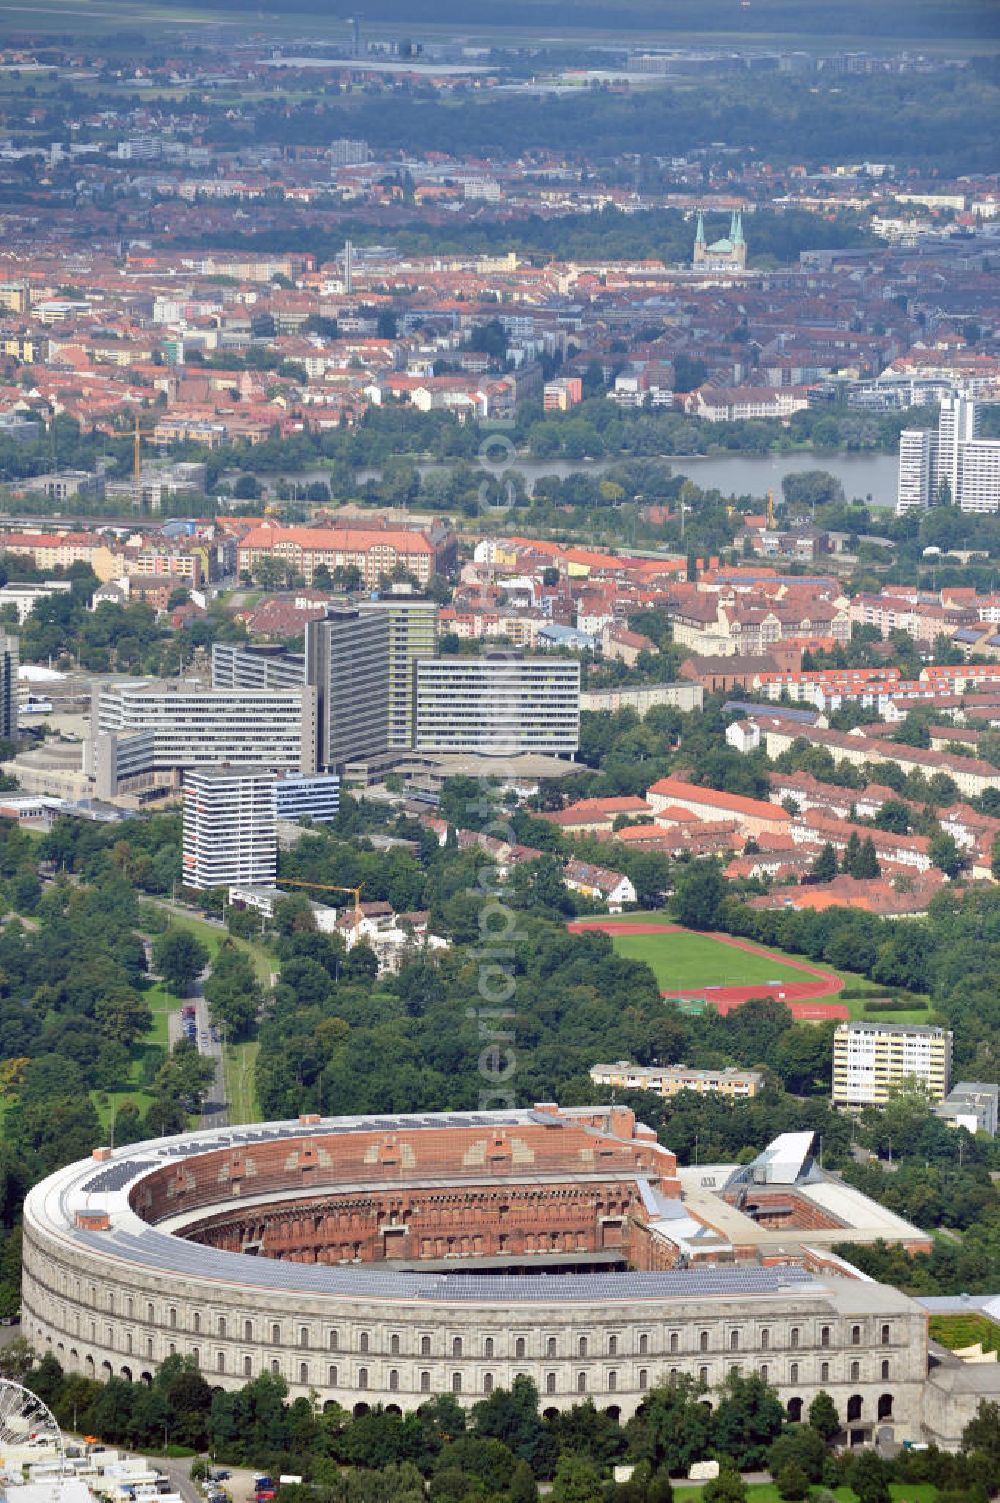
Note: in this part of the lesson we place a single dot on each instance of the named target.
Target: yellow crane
(771, 524)
(138, 434)
(330, 887)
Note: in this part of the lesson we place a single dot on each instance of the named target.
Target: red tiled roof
(732, 803)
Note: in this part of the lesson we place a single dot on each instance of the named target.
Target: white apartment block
(979, 477)
(670, 1080)
(144, 732)
(230, 836)
(345, 152)
(497, 706)
(869, 1059)
(954, 464)
(958, 424)
(913, 491)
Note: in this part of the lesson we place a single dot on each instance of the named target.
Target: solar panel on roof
(115, 1176)
(174, 1254)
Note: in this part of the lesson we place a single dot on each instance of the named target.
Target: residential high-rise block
(979, 477)
(869, 1059)
(953, 466)
(346, 152)
(916, 463)
(230, 836)
(958, 424)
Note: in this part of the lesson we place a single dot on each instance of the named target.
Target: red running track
(801, 997)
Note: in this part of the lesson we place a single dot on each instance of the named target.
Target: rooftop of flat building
(870, 1026)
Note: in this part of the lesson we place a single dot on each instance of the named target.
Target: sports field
(720, 969)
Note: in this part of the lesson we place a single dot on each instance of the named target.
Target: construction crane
(138, 434)
(771, 524)
(329, 887)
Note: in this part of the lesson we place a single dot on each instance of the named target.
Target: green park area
(146, 1054)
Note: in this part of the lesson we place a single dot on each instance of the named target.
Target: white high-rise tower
(916, 463)
(958, 424)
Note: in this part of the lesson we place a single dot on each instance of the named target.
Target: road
(215, 1110)
(239, 1483)
(179, 1472)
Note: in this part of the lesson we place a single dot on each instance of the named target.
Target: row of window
(855, 1404)
(582, 1383)
(735, 1338)
(794, 1369)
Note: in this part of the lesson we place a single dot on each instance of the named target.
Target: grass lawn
(241, 1086)
(681, 960)
(954, 1331)
(211, 935)
(904, 1015)
(697, 960)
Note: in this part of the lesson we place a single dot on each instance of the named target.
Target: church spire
(736, 232)
(699, 234)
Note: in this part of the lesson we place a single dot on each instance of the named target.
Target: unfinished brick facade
(422, 1193)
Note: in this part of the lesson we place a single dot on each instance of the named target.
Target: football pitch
(720, 969)
(683, 959)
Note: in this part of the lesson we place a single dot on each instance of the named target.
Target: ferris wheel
(29, 1438)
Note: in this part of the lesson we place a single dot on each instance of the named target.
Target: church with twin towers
(727, 254)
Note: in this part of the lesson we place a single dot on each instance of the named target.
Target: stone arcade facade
(109, 1289)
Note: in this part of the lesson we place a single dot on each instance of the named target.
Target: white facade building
(979, 476)
(145, 732)
(915, 468)
(497, 705)
(230, 836)
(958, 424)
(953, 465)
